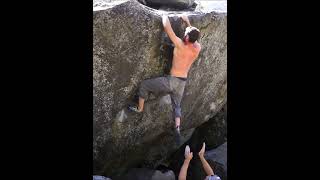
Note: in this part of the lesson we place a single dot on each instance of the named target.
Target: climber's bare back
(183, 57)
(184, 53)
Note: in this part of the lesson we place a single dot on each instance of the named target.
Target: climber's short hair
(193, 33)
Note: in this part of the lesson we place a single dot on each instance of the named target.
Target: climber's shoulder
(179, 43)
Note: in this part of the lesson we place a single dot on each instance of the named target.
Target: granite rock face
(129, 46)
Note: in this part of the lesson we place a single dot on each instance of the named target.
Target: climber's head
(191, 34)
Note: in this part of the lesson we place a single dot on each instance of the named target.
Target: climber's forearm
(166, 22)
(183, 170)
(207, 168)
(168, 29)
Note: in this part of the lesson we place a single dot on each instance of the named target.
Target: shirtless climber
(185, 53)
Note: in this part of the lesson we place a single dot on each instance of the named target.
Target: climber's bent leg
(157, 86)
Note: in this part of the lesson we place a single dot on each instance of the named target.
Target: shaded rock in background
(175, 4)
(217, 158)
(147, 174)
(129, 45)
(105, 4)
(213, 132)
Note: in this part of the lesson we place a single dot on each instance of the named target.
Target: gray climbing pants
(162, 86)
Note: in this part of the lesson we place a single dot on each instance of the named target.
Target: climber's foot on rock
(133, 109)
(177, 129)
(177, 135)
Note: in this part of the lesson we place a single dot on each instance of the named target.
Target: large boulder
(129, 45)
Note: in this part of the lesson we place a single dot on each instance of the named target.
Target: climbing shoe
(133, 109)
(177, 136)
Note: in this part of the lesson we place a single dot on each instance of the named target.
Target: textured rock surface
(147, 174)
(129, 46)
(214, 133)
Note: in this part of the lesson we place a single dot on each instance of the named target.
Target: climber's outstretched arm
(168, 29)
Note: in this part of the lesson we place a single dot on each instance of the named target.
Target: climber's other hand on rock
(184, 17)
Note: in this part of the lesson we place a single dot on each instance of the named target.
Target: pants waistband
(181, 78)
